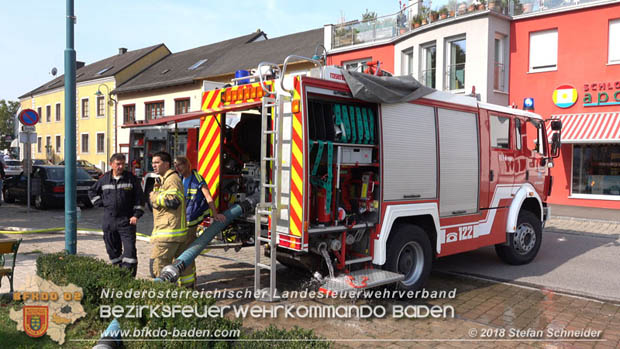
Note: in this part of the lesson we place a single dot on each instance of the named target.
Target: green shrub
(294, 338)
(94, 275)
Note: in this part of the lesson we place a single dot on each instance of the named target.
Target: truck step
(359, 280)
(358, 260)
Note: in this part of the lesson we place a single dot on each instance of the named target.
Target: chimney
(122, 51)
(78, 65)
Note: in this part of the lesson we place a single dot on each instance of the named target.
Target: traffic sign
(27, 137)
(28, 117)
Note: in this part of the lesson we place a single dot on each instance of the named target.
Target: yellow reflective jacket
(169, 223)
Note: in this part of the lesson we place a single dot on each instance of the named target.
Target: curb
(579, 219)
(97, 232)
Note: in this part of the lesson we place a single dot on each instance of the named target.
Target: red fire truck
(369, 191)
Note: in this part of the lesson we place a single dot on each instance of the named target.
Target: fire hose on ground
(171, 273)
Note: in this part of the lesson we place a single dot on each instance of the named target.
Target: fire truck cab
(372, 192)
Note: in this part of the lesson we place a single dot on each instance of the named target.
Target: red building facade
(384, 54)
(569, 62)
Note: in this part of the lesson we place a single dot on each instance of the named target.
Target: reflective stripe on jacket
(169, 223)
(196, 202)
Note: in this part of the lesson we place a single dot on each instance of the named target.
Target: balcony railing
(499, 77)
(455, 76)
(427, 77)
(391, 26)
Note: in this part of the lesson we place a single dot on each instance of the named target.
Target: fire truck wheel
(409, 252)
(523, 245)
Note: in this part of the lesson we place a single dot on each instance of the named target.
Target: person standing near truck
(120, 194)
(198, 201)
(169, 224)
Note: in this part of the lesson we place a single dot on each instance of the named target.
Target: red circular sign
(28, 117)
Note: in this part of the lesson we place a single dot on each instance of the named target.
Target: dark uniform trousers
(120, 242)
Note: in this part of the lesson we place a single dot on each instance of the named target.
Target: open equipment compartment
(344, 172)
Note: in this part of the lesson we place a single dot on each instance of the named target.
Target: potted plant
(471, 7)
(443, 12)
(462, 8)
(482, 4)
(434, 16)
(452, 4)
(495, 5)
(416, 21)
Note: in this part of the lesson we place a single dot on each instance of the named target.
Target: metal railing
(455, 76)
(402, 22)
(499, 77)
(428, 77)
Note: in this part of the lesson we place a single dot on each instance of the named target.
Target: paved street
(576, 256)
(480, 304)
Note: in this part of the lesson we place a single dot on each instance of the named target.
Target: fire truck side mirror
(555, 144)
(556, 125)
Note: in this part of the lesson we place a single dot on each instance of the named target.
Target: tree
(369, 16)
(8, 109)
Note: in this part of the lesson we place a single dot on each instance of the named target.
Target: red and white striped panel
(589, 127)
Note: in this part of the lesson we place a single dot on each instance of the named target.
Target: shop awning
(166, 120)
(589, 127)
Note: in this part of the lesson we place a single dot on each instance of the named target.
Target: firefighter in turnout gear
(169, 224)
(120, 194)
(198, 201)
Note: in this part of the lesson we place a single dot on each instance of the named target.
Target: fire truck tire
(409, 252)
(523, 245)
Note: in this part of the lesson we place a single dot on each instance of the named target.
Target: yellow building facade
(95, 107)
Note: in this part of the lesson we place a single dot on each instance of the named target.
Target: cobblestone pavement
(480, 307)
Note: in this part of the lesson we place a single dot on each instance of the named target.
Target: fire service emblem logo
(35, 320)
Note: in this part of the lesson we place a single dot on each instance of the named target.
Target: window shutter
(543, 50)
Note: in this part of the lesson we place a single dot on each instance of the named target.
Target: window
(40, 116)
(181, 106)
(499, 70)
(518, 133)
(357, 65)
(407, 61)
(102, 71)
(596, 169)
(614, 41)
(154, 110)
(543, 50)
(100, 105)
(57, 111)
(500, 132)
(197, 64)
(58, 142)
(48, 113)
(100, 143)
(85, 143)
(85, 108)
(39, 144)
(428, 62)
(129, 114)
(455, 69)
(48, 145)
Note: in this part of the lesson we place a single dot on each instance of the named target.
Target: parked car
(12, 167)
(41, 162)
(47, 187)
(92, 170)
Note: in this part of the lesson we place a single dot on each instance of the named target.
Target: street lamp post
(110, 99)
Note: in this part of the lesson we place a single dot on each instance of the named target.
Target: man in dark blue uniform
(120, 194)
(198, 201)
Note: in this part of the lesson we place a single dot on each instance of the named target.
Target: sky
(33, 32)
